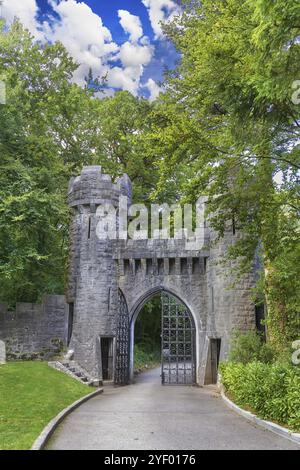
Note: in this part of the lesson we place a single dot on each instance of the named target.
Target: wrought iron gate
(178, 343)
(122, 344)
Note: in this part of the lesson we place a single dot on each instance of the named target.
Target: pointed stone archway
(178, 338)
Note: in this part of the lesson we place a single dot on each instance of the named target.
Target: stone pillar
(230, 304)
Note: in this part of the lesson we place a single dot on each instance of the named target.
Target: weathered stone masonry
(35, 331)
(100, 269)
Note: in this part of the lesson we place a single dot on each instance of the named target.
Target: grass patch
(31, 394)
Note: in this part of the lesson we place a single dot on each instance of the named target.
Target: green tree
(122, 141)
(228, 117)
(33, 176)
(49, 128)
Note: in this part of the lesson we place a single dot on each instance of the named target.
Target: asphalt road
(149, 416)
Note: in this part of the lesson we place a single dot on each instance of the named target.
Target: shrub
(248, 347)
(271, 390)
(145, 357)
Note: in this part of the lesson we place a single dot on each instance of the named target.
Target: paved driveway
(149, 416)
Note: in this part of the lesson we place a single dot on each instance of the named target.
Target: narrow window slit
(89, 229)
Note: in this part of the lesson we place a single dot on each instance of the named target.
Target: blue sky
(122, 39)
(107, 10)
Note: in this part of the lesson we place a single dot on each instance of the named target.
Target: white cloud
(126, 79)
(26, 11)
(160, 11)
(88, 41)
(132, 55)
(131, 24)
(153, 89)
(133, 59)
(83, 34)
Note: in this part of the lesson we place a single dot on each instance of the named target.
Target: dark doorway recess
(70, 322)
(214, 349)
(260, 317)
(107, 348)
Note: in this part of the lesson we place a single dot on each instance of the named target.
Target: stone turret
(93, 288)
(94, 187)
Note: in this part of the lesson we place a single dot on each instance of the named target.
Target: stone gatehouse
(109, 283)
(111, 280)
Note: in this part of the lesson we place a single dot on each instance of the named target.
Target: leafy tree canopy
(228, 119)
(49, 129)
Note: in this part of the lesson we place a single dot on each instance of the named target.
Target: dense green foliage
(49, 129)
(32, 205)
(148, 324)
(228, 123)
(31, 395)
(145, 358)
(248, 347)
(258, 379)
(270, 390)
(147, 353)
(122, 141)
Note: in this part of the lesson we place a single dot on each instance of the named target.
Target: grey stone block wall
(141, 268)
(35, 331)
(231, 306)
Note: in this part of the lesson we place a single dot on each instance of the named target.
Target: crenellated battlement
(95, 187)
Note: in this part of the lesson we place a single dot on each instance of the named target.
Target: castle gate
(111, 279)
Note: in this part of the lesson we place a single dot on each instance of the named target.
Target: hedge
(272, 391)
